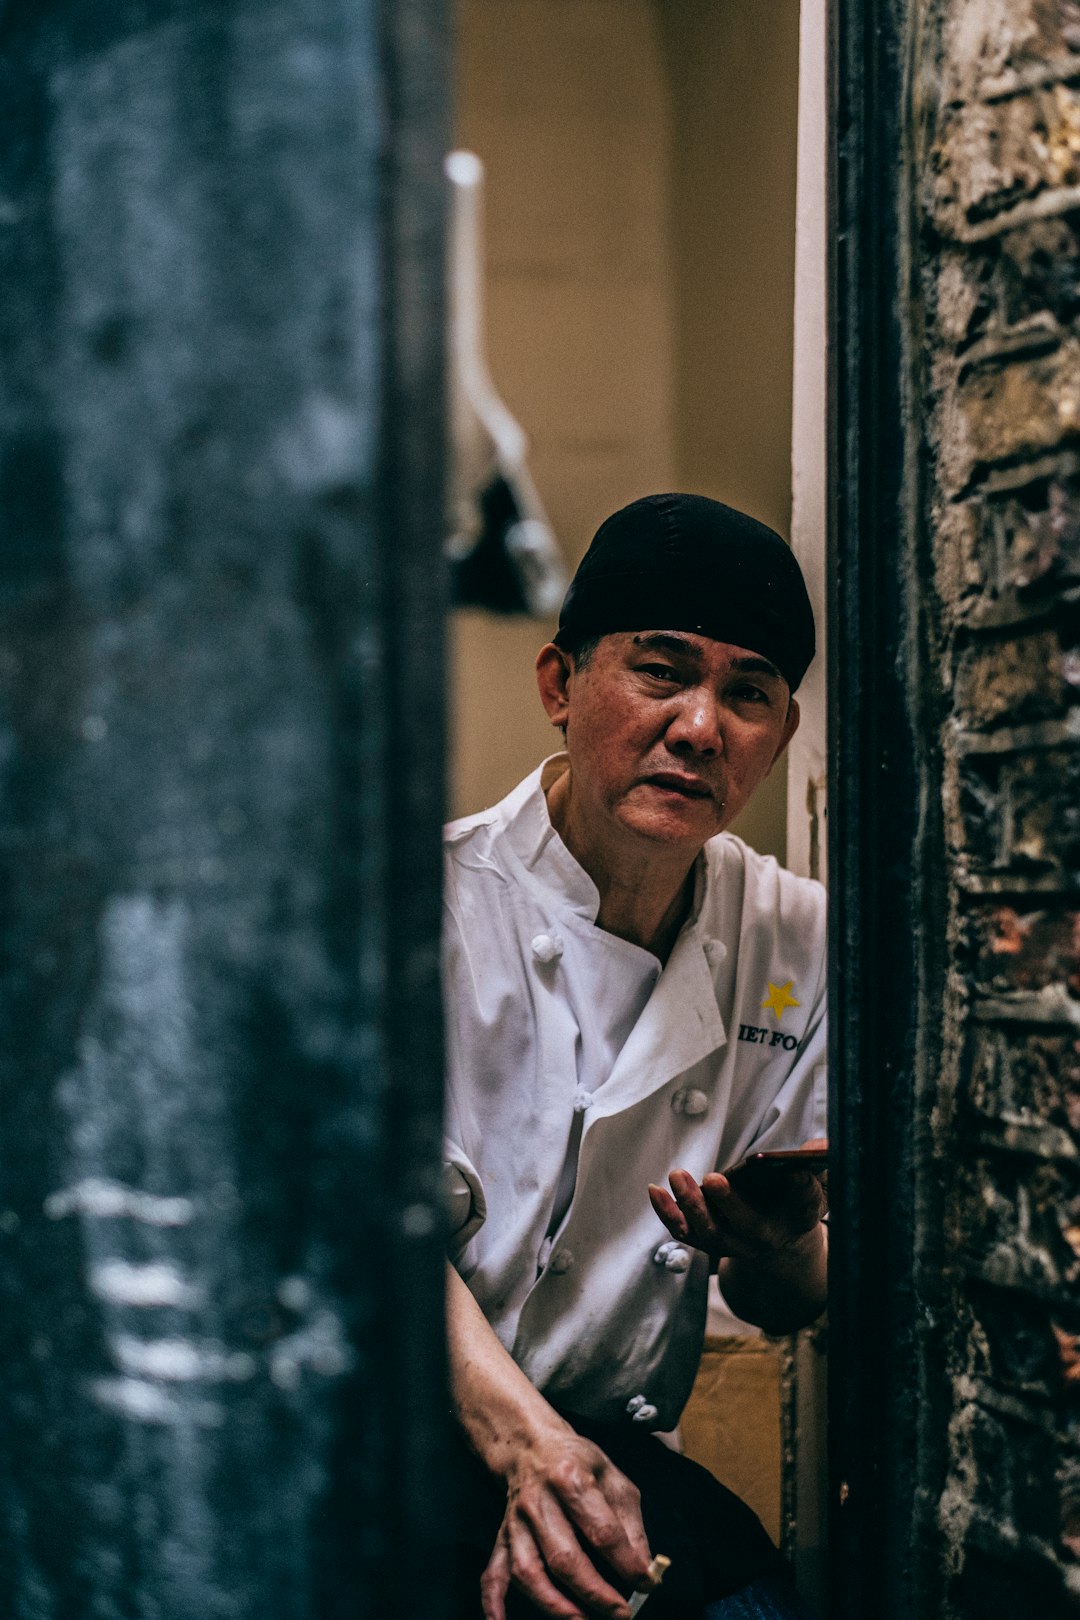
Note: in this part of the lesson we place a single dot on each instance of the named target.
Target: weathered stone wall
(997, 200)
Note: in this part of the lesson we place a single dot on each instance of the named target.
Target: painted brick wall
(998, 206)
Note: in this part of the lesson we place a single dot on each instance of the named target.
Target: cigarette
(654, 1575)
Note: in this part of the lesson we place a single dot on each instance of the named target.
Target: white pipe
(484, 436)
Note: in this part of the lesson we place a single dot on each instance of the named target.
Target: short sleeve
(463, 1197)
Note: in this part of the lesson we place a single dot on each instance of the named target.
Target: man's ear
(554, 669)
(791, 726)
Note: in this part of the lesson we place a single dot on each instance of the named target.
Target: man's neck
(644, 898)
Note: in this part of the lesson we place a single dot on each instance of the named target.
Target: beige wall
(640, 229)
(733, 1423)
(732, 68)
(564, 101)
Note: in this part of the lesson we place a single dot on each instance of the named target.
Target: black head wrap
(684, 562)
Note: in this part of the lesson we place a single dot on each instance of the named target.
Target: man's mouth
(690, 787)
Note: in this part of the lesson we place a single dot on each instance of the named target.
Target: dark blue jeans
(761, 1600)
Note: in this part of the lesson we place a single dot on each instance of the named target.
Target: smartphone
(763, 1179)
(814, 1159)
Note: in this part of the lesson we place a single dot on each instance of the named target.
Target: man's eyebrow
(658, 641)
(664, 641)
(755, 666)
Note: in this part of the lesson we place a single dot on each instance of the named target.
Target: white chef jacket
(718, 1053)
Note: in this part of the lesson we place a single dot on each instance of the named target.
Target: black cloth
(715, 1542)
(489, 576)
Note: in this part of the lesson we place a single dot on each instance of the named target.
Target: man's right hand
(562, 1491)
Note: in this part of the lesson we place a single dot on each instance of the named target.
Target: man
(631, 998)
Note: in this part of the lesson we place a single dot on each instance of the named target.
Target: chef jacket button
(547, 947)
(715, 950)
(560, 1261)
(687, 1100)
(672, 1256)
(641, 1410)
(634, 1404)
(582, 1100)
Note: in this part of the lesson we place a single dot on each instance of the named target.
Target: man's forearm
(783, 1292)
(568, 1509)
(498, 1408)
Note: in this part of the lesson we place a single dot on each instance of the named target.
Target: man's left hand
(713, 1217)
(770, 1261)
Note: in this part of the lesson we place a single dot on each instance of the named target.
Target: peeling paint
(179, 1361)
(119, 1282)
(97, 1196)
(148, 1403)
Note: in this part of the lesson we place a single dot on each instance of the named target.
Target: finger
(688, 1195)
(668, 1211)
(790, 1204)
(607, 1512)
(626, 1499)
(742, 1208)
(725, 1206)
(522, 1564)
(495, 1582)
(806, 1203)
(545, 1552)
(746, 1226)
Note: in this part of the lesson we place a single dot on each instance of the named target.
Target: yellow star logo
(780, 998)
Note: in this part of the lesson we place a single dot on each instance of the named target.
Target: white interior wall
(807, 754)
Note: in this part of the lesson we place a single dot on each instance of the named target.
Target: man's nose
(697, 725)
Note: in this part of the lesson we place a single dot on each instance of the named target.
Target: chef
(635, 1002)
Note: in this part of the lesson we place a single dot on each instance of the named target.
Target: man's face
(668, 733)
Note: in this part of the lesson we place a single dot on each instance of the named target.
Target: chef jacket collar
(543, 854)
(681, 1022)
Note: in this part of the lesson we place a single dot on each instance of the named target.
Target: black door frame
(878, 805)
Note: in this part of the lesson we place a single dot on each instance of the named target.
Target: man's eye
(660, 672)
(746, 693)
